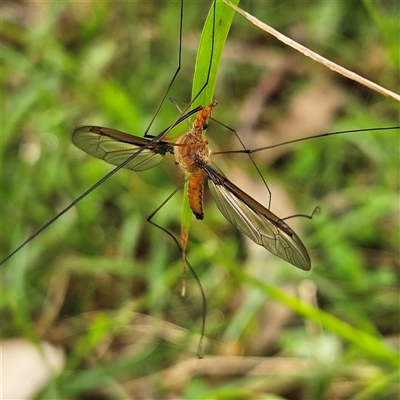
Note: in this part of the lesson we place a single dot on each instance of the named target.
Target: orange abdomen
(195, 193)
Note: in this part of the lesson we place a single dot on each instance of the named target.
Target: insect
(105, 237)
(193, 155)
(263, 227)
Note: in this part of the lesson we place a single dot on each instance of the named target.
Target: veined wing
(257, 222)
(115, 147)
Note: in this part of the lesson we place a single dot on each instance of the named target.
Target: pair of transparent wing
(247, 215)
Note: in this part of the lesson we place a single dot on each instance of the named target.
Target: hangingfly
(194, 156)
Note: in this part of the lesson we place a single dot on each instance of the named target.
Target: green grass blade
(360, 339)
(223, 20)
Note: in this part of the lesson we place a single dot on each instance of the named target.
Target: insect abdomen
(195, 193)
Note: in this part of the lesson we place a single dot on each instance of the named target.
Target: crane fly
(192, 154)
(140, 154)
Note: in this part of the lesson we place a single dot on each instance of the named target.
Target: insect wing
(115, 147)
(257, 222)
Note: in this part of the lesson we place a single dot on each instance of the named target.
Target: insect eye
(205, 126)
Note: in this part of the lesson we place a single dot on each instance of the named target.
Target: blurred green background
(104, 285)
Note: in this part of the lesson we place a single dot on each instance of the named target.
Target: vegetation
(105, 285)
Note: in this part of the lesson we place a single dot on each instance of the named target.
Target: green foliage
(105, 285)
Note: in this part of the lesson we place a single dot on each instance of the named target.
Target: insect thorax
(192, 149)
